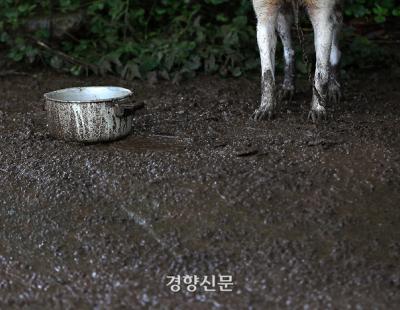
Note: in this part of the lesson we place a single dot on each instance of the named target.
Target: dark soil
(302, 216)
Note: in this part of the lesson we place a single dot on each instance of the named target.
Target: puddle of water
(153, 143)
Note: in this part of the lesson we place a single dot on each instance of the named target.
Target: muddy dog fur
(277, 16)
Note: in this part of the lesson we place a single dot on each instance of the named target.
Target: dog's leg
(285, 21)
(267, 12)
(321, 19)
(334, 90)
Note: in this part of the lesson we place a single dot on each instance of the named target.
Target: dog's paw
(263, 112)
(286, 93)
(317, 114)
(334, 92)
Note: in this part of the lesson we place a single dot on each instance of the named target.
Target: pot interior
(89, 94)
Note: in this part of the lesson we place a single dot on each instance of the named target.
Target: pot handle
(126, 109)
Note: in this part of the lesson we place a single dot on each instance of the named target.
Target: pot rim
(129, 93)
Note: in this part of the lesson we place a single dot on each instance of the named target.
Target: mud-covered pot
(90, 114)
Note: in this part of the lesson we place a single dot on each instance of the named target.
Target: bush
(379, 10)
(134, 38)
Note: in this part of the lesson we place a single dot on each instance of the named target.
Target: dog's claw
(317, 115)
(334, 93)
(286, 94)
(262, 113)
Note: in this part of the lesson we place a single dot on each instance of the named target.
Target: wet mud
(302, 216)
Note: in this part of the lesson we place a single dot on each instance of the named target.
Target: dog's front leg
(334, 88)
(321, 19)
(285, 21)
(267, 12)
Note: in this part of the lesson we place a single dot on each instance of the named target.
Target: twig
(11, 72)
(165, 136)
(67, 57)
(385, 41)
(126, 19)
(150, 231)
(51, 18)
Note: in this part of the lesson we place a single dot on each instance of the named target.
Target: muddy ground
(301, 216)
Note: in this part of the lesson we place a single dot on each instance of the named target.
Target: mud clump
(300, 215)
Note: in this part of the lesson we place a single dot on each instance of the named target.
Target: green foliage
(379, 10)
(134, 38)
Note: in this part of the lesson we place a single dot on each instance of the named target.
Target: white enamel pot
(90, 114)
